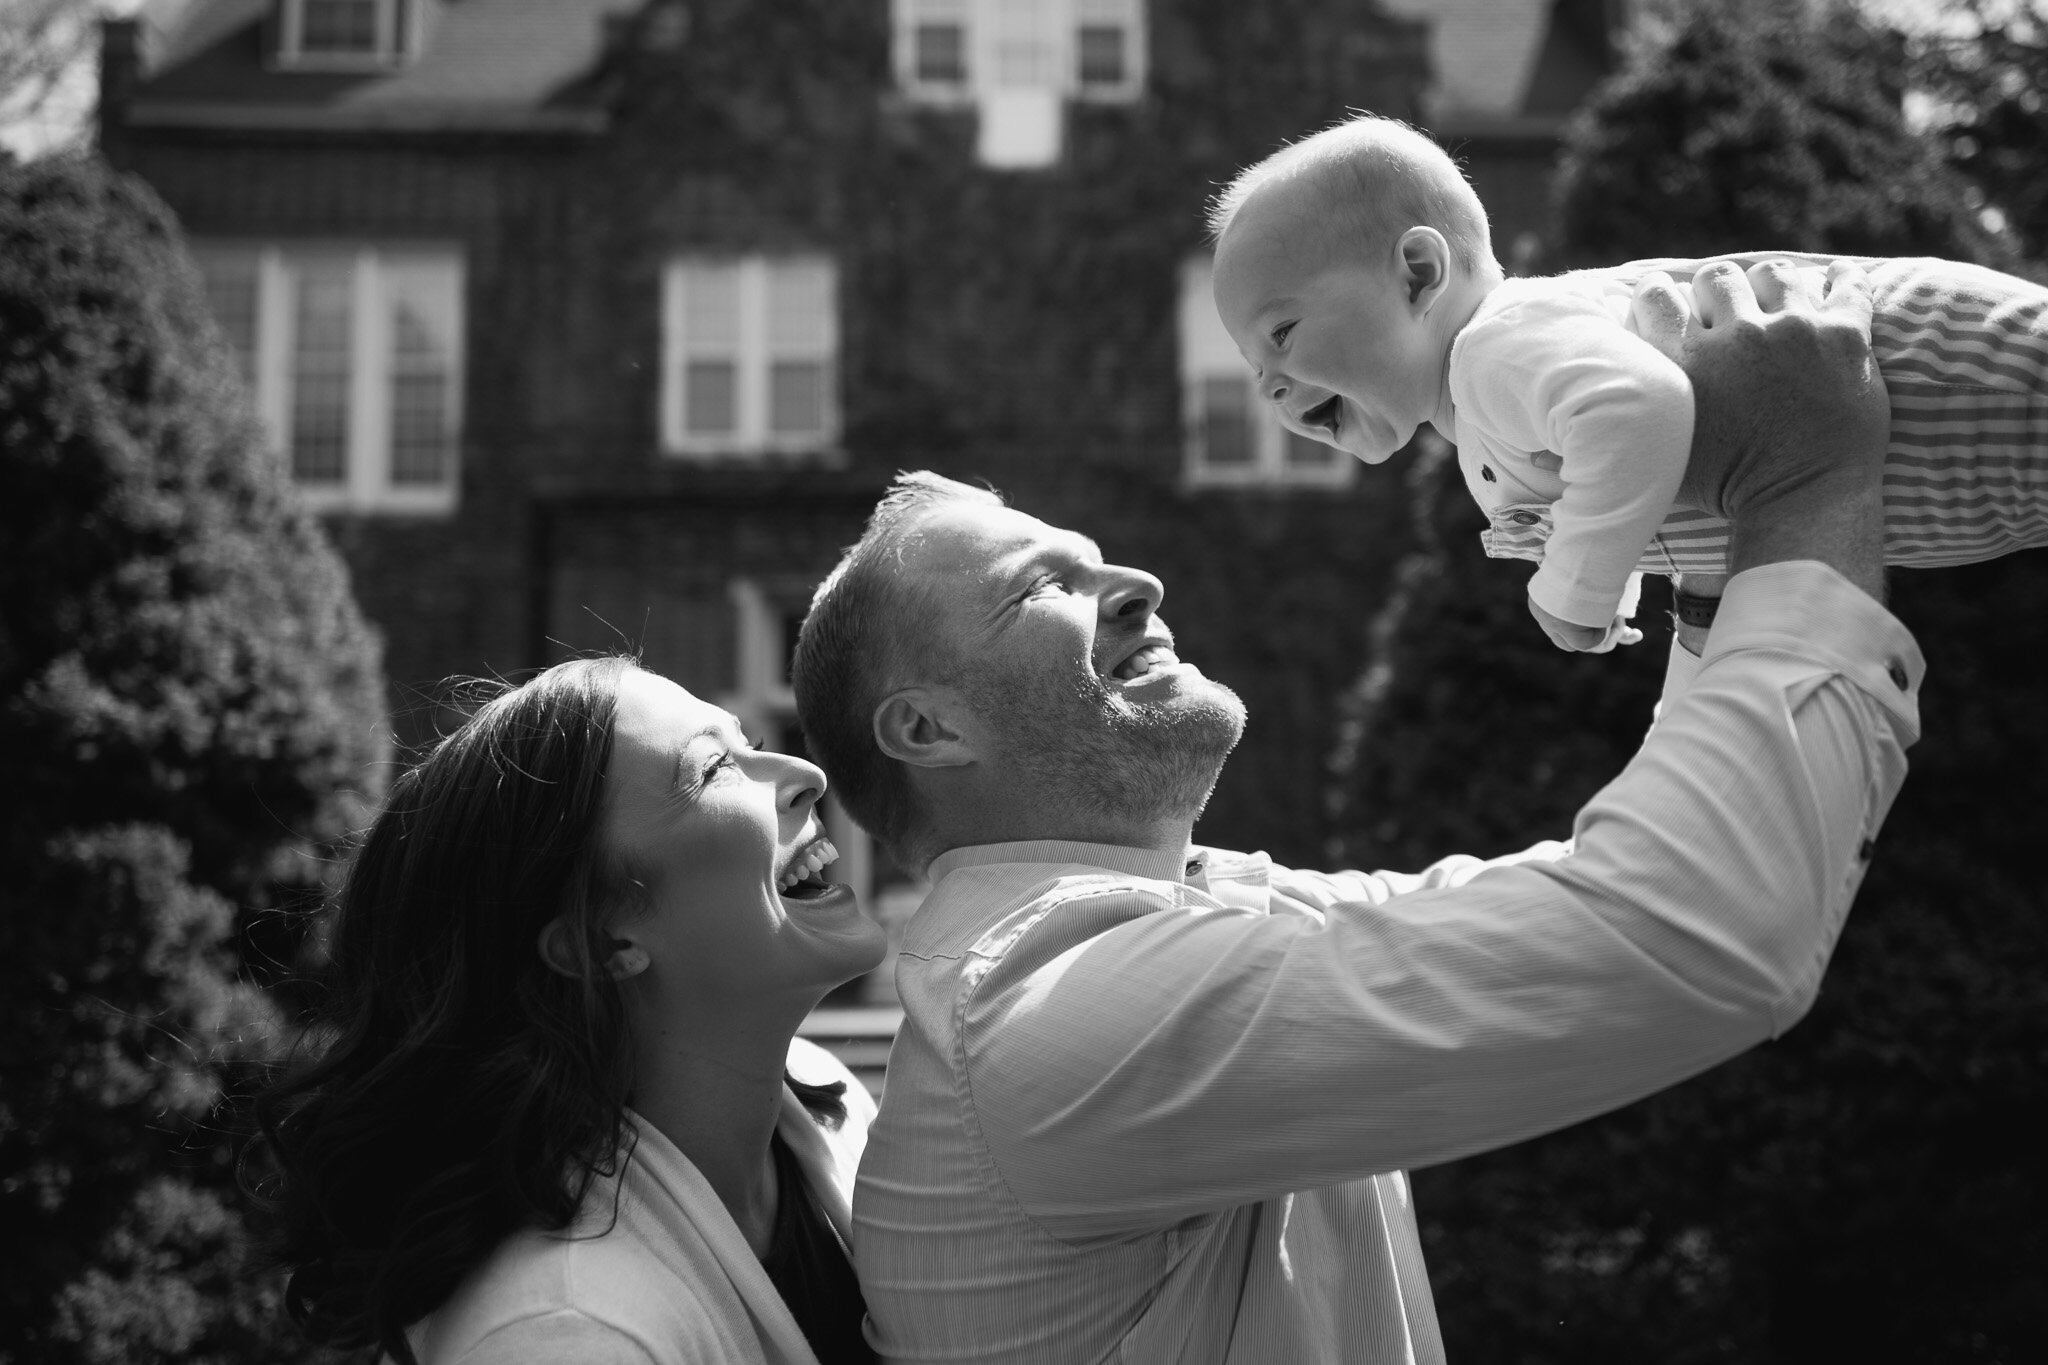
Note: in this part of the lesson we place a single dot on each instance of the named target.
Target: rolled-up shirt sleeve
(1143, 1067)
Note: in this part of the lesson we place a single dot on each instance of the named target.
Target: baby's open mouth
(804, 878)
(1328, 414)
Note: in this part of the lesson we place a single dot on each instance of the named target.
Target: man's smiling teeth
(1144, 661)
(815, 859)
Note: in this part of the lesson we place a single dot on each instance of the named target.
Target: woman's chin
(857, 943)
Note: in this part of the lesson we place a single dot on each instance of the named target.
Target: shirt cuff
(1804, 608)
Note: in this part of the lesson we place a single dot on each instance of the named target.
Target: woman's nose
(1130, 592)
(801, 782)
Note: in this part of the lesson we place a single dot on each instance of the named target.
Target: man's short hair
(863, 638)
(1372, 179)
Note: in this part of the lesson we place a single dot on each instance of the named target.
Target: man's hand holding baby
(1798, 468)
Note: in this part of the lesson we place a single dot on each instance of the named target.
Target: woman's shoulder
(595, 1293)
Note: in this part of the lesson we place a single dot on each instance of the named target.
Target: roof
(481, 63)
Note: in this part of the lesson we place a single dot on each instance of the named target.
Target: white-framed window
(1232, 435)
(1017, 62)
(766, 618)
(353, 354)
(346, 35)
(750, 355)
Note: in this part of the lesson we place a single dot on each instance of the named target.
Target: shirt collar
(1136, 862)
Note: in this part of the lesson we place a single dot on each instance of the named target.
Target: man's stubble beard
(1075, 740)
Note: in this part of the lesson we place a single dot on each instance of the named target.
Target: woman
(561, 1114)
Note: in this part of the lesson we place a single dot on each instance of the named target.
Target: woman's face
(727, 841)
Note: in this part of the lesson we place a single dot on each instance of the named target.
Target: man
(1152, 1102)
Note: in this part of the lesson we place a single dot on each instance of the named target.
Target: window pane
(710, 397)
(321, 319)
(796, 396)
(1101, 54)
(799, 306)
(1026, 44)
(1226, 425)
(941, 53)
(230, 278)
(1305, 452)
(421, 434)
(711, 307)
(338, 26)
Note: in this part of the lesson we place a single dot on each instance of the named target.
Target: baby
(1355, 271)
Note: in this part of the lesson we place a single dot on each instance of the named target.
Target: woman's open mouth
(804, 878)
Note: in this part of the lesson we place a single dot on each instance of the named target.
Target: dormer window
(1018, 62)
(346, 35)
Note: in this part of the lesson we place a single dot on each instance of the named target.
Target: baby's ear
(1425, 259)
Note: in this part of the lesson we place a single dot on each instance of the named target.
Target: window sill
(411, 502)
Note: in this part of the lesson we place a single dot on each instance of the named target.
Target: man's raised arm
(1235, 1057)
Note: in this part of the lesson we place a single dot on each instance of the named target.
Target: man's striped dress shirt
(1151, 1107)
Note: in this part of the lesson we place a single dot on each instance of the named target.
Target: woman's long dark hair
(460, 1088)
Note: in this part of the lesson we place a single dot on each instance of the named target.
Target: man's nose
(1130, 592)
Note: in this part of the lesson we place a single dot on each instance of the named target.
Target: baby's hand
(1585, 639)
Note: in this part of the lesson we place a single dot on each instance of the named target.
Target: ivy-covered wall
(1017, 327)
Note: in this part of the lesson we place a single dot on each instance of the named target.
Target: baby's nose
(1274, 389)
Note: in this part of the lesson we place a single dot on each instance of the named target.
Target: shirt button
(1486, 473)
(1896, 671)
(1524, 518)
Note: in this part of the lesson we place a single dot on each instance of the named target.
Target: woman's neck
(714, 1088)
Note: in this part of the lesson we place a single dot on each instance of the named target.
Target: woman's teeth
(1144, 661)
(815, 859)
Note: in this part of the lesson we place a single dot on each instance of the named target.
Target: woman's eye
(1280, 333)
(717, 765)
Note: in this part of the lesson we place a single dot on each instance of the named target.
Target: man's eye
(1280, 333)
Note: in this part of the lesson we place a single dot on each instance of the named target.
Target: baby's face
(1340, 348)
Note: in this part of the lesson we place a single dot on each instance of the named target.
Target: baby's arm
(1561, 375)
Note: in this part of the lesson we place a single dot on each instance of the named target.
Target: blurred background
(347, 346)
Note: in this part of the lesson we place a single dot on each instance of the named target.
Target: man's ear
(920, 726)
(1424, 260)
(625, 959)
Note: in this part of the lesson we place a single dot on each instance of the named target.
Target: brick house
(588, 323)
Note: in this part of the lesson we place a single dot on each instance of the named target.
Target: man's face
(1338, 344)
(1068, 669)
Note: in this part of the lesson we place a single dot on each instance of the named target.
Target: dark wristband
(1694, 611)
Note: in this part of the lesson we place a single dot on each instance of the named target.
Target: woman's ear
(1425, 264)
(625, 958)
(920, 726)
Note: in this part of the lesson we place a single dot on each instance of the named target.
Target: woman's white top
(671, 1280)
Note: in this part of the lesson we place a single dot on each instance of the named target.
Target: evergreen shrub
(188, 698)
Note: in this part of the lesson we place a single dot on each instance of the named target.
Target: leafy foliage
(186, 695)
(1987, 81)
(1761, 124)
(1868, 1186)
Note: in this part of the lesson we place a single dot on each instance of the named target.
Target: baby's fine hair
(1376, 178)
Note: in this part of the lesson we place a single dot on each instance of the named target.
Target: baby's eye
(1280, 333)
